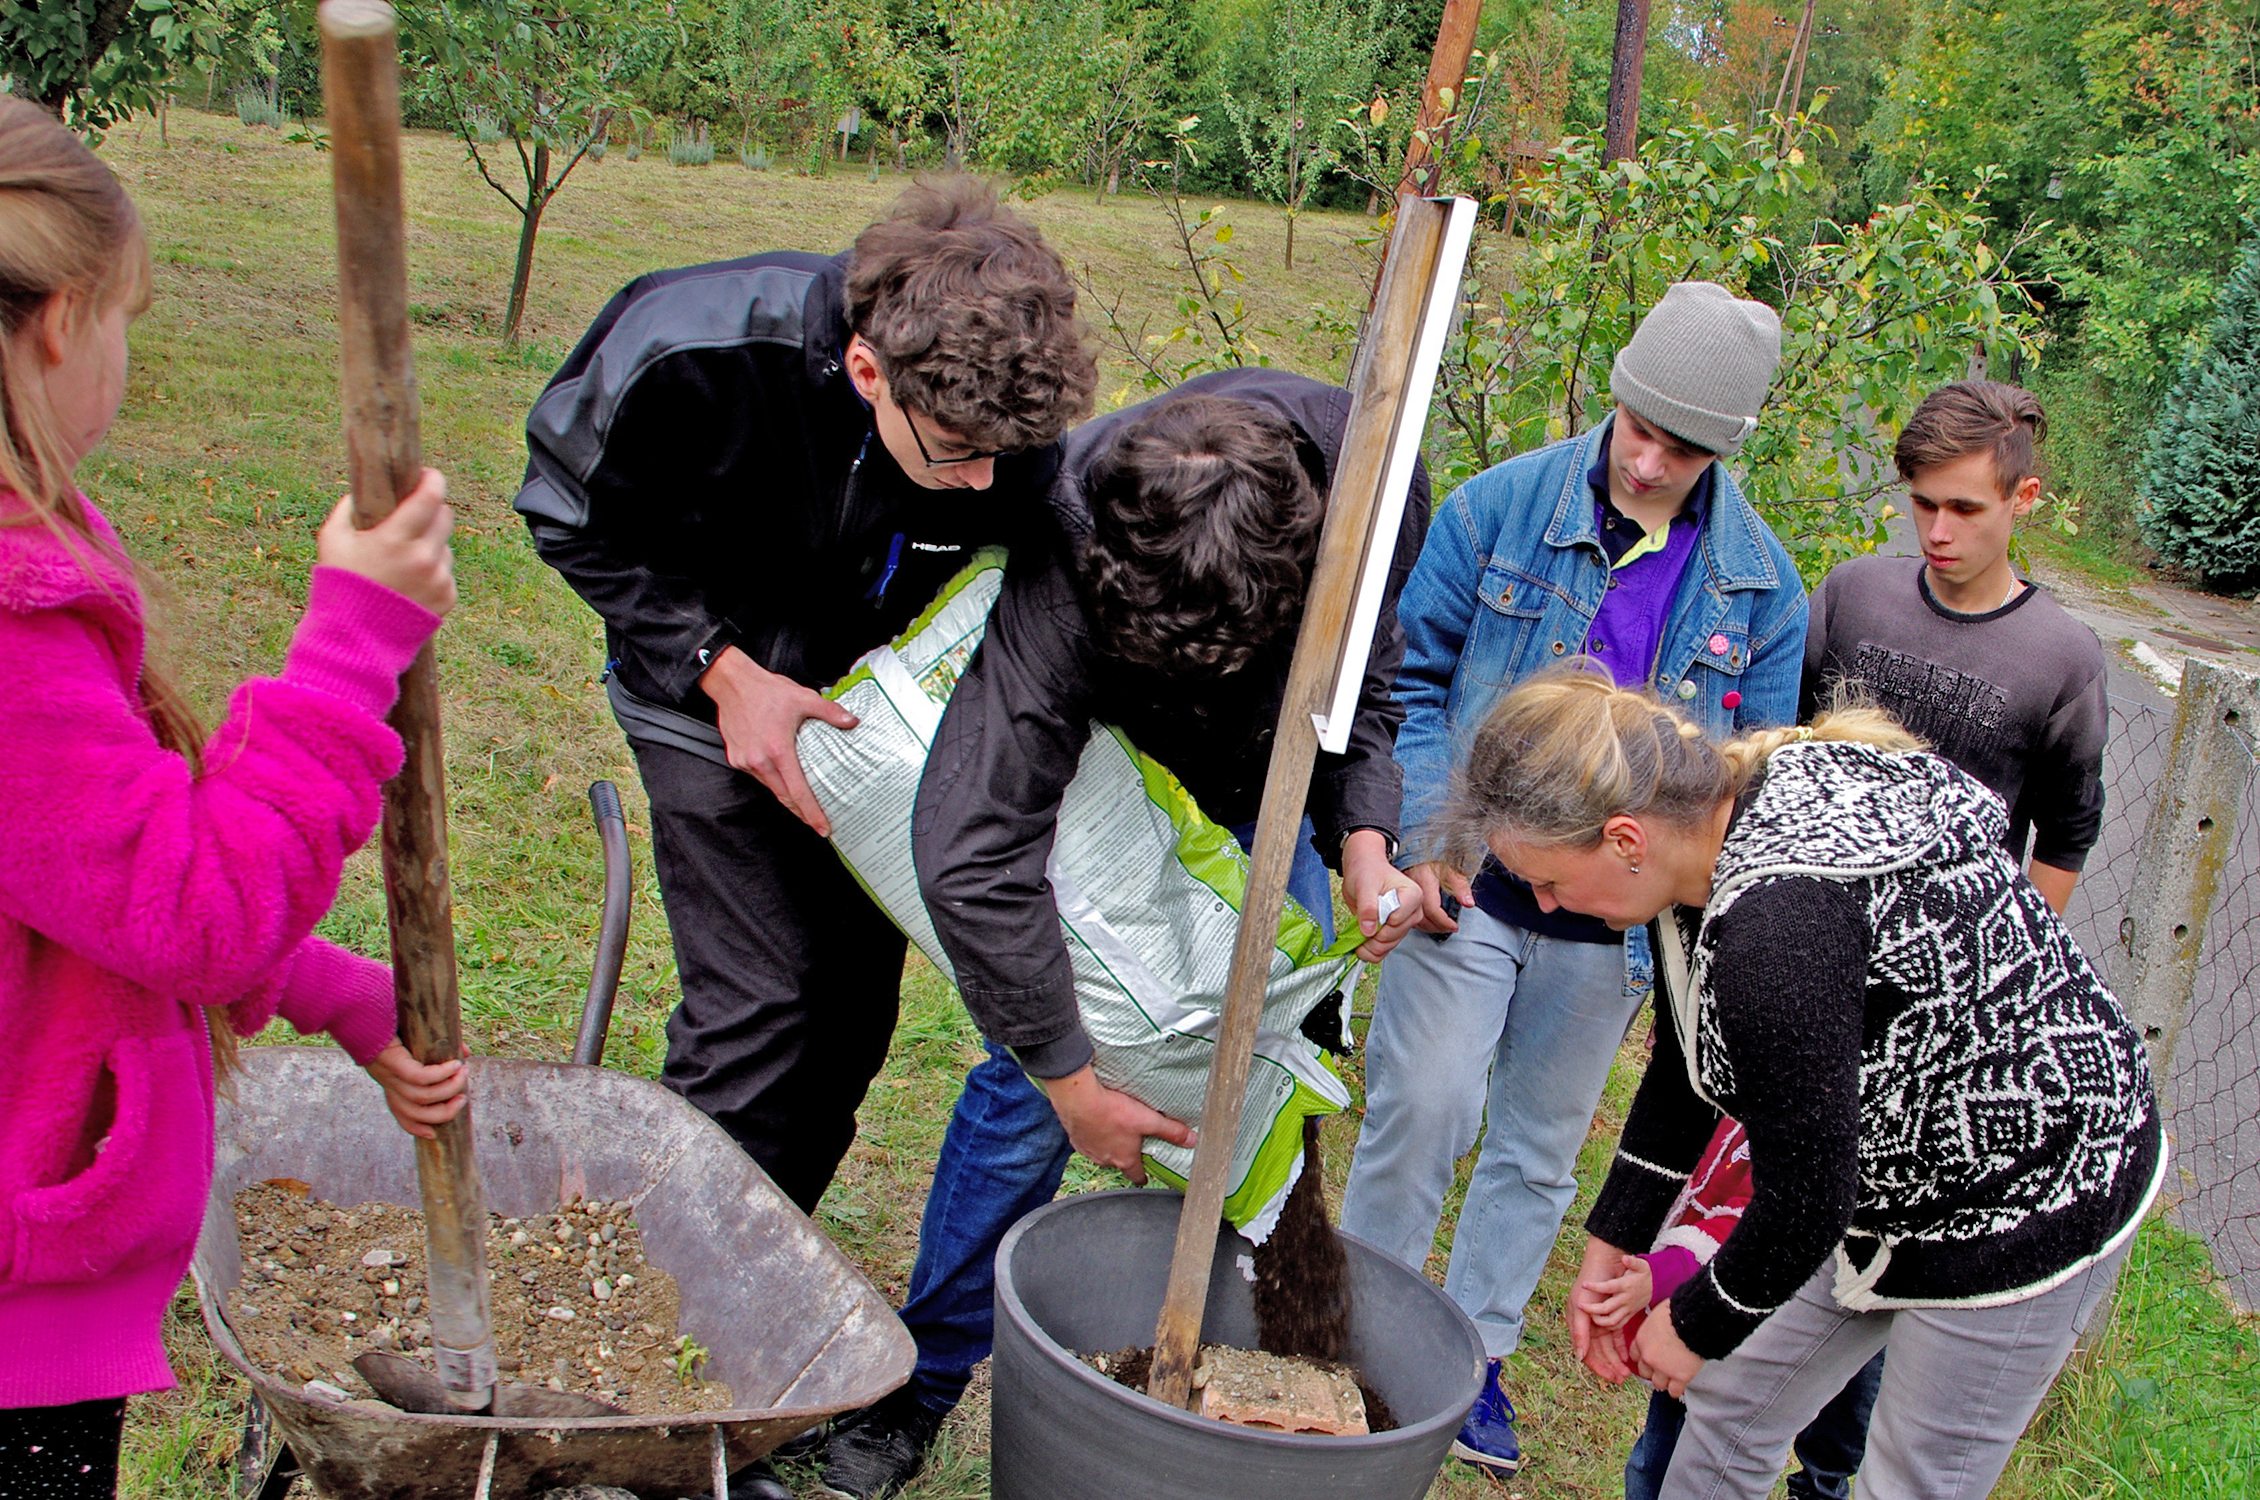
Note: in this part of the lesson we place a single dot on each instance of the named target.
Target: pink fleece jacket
(132, 895)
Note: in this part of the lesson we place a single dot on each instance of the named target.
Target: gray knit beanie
(1700, 364)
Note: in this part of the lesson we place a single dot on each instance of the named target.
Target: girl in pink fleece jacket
(158, 889)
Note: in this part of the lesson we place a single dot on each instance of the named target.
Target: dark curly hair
(972, 317)
(1204, 529)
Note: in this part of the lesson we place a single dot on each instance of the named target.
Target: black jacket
(1020, 717)
(704, 474)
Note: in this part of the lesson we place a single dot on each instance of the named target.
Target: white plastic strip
(1396, 479)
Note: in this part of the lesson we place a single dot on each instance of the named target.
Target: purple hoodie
(132, 895)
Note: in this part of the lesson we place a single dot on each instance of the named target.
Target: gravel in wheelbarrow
(577, 1305)
(794, 1331)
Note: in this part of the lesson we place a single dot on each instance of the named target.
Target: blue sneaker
(1487, 1438)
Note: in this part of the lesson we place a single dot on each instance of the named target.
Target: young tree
(1874, 314)
(550, 74)
(1017, 81)
(1127, 83)
(2201, 477)
(91, 63)
(1315, 61)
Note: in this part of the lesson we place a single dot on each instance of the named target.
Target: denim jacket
(1509, 581)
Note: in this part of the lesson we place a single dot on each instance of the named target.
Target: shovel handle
(361, 82)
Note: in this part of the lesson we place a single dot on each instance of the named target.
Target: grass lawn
(227, 455)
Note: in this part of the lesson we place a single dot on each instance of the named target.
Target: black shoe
(876, 1451)
(802, 1444)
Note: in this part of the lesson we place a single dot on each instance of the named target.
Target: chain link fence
(2169, 906)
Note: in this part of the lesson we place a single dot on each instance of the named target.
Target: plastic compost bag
(1149, 897)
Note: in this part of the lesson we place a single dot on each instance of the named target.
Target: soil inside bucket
(1302, 1294)
(1131, 1367)
(576, 1305)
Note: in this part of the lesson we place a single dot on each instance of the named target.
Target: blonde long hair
(67, 228)
(1567, 749)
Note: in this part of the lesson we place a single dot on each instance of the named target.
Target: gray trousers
(1958, 1389)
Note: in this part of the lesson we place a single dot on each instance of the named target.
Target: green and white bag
(1149, 897)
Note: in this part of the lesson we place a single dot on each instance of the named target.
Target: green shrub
(253, 107)
(756, 159)
(689, 145)
(597, 150)
(485, 128)
(635, 150)
(2201, 475)
(2096, 436)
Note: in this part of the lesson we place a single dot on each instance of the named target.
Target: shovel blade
(411, 1387)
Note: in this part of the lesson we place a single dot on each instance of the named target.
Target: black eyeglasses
(930, 460)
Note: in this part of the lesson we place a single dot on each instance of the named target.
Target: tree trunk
(1624, 78)
(1294, 177)
(529, 225)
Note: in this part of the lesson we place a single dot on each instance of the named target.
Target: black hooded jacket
(703, 472)
(1020, 717)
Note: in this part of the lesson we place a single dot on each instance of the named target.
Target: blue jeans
(1002, 1157)
(1651, 1451)
(1828, 1451)
(1542, 1018)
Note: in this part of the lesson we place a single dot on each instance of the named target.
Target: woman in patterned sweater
(1952, 1127)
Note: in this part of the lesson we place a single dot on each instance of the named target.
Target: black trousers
(61, 1452)
(791, 976)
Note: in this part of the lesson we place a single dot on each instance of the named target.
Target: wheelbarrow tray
(793, 1328)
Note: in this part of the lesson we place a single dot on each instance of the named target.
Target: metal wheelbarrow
(794, 1329)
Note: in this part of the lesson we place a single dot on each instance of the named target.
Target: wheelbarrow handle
(612, 928)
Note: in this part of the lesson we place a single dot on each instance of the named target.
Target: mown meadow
(228, 454)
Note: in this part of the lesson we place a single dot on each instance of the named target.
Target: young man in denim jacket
(1631, 545)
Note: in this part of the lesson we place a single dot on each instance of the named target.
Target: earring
(1636, 867)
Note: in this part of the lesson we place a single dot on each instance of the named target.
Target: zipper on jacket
(848, 490)
(878, 590)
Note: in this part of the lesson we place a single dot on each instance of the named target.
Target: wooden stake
(384, 459)
(1379, 388)
(1442, 97)
(1447, 70)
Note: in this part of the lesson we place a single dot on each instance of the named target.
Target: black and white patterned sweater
(1938, 1089)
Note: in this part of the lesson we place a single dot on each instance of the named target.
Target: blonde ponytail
(1567, 749)
(67, 228)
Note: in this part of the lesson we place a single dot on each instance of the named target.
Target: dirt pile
(576, 1305)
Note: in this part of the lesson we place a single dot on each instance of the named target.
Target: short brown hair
(972, 317)
(1972, 416)
(1204, 528)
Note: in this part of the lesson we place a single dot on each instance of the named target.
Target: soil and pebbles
(576, 1305)
(1131, 1367)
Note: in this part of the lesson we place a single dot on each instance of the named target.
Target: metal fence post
(2185, 843)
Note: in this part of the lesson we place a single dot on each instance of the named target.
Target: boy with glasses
(755, 471)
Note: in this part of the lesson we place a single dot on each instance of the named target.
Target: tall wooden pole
(1792, 90)
(1381, 387)
(384, 458)
(1441, 97)
(1624, 77)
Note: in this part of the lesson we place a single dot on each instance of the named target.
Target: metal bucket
(1086, 1275)
(792, 1326)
